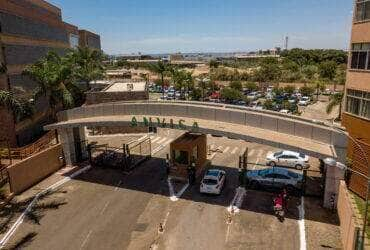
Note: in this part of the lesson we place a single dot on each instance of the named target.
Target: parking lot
(109, 209)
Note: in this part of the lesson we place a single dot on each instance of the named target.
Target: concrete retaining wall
(30, 171)
(106, 97)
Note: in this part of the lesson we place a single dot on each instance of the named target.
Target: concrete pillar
(68, 144)
(334, 174)
(83, 139)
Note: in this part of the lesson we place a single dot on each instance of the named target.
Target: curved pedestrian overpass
(259, 126)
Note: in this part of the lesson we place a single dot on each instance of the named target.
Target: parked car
(288, 159)
(304, 101)
(252, 96)
(284, 111)
(213, 181)
(274, 177)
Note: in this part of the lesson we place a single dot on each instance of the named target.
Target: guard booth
(190, 149)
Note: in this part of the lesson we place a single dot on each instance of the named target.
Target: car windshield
(293, 175)
(212, 173)
(263, 172)
(209, 181)
(278, 153)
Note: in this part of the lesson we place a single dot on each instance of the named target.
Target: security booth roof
(186, 141)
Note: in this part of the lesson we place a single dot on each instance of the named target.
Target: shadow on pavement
(150, 177)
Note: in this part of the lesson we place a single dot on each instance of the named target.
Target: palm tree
(161, 69)
(87, 64)
(55, 80)
(335, 100)
(189, 81)
(7, 100)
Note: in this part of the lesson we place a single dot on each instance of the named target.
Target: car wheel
(272, 164)
(298, 167)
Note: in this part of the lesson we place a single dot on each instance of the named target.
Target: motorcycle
(279, 209)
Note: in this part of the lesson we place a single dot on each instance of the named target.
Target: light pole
(363, 175)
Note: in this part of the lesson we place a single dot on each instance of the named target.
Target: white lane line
(168, 142)
(161, 141)
(255, 164)
(234, 150)
(301, 224)
(226, 149)
(166, 219)
(143, 137)
(260, 152)
(251, 153)
(212, 156)
(104, 208)
(118, 185)
(20, 219)
(86, 239)
(157, 149)
(237, 201)
(173, 195)
(156, 139)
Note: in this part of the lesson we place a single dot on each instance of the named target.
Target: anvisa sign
(162, 122)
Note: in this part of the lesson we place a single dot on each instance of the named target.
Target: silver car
(274, 177)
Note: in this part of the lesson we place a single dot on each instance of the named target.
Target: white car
(213, 181)
(288, 159)
(305, 100)
(284, 111)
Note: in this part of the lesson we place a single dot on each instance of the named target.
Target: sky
(169, 26)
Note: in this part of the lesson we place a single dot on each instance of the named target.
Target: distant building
(118, 91)
(176, 57)
(29, 29)
(89, 39)
(356, 113)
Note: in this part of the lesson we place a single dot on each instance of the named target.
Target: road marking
(86, 239)
(157, 149)
(161, 141)
(143, 137)
(175, 196)
(156, 139)
(251, 153)
(168, 142)
(104, 208)
(255, 164)
(226, 149)
(20, 219)
(260, 152)
(301, 224)
(213, 146)
(212, 156)
(118, 185)
(166, 219)
(234, 150)
(237, 201)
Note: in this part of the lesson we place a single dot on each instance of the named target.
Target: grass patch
(361, 206)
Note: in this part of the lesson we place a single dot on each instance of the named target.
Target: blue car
(274, 177)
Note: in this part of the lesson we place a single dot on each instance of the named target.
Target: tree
(236, 85)
(268, 71)
(55, 79)
(268, 104)
(327, 70)
(309, 72)
(278, 91)
(251, 86)
(319, 86)
(289, 89)
(307, 91)
(87, 64)
(334, 101)
(7, 100)
(189, 82)
(230, 94)
(160, 68)
(214, 64)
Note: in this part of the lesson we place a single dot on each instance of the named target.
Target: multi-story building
(89, 39)
(356, 113)
(29, 29)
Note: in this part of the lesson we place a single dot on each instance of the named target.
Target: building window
(358, 103)
(360, 55)
(362, 10)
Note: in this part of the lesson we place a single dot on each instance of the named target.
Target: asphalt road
(106, 209)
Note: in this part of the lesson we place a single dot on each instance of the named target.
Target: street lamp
(363, 175)
(203, 81)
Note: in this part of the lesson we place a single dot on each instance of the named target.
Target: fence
(26, 151)
(126, 158)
